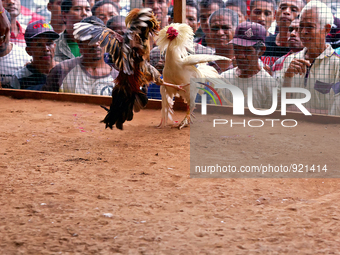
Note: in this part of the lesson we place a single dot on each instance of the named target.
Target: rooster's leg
(162, 124)
(186, 121)
(177, 87)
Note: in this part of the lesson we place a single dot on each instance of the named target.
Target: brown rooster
(128, 54)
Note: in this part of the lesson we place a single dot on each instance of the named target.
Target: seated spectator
(248, 46)
(238, 6)
(105, 10)
(223, 23)
(277, 45)
(39, 37)
(88, 74)
(57, 21)
(17, 32)
(73, 11)
(317, 66)
(294, 44)
(117, 24)
(12, 57)
(207, 7)
(262, 12)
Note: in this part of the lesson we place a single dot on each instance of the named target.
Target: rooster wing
(127, 54)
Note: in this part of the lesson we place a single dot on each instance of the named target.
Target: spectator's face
(159, 8)
(312, 35)
(106, 12)
(55, 10)
(119, 28)
(191, 15)
(222, 31)
(92, 2)
(90, 53)
(42, 50)
(204, 17)
(262, 13)
(293, 35)
(246, 57)
(79, 10)
(236, 9)
(4, 43)
(287, 11)
(13, 7)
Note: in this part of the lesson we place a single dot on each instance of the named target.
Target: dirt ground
(68, 186)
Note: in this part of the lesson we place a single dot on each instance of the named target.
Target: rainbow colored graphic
(208, 92)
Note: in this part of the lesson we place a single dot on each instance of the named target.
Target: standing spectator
(238, 6)
(294, 44)
(117, 24)
(317, 66)
(73, 11)
(157, 59)
(277, 45)
(263, 12)
(57, 21)
(248, 46)
(105, 10)
(207, 7)
(12, 57)
(223, 23)
(5, 24)
(17, 32)
(88, 74)
(92, 3)
(160, 8)
(39, 37)
(192, 14)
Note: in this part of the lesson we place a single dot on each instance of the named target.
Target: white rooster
(177, 41)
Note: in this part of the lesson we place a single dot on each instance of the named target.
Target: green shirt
(74, 48)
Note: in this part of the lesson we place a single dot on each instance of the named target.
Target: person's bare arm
(4, 22)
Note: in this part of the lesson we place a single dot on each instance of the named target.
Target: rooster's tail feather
(122, 107)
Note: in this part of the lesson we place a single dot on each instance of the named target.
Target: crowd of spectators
(292, 43)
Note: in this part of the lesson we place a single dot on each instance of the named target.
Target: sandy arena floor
(61, 172)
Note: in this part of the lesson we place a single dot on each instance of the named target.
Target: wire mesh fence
(266, 44)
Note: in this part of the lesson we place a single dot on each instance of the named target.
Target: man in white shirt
(317, 66)
(248, 44)
(88, 74)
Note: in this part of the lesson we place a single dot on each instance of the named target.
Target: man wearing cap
(248, 44)
(12, 57)
(39, 37)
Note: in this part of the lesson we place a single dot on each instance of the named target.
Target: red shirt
(19, 39)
